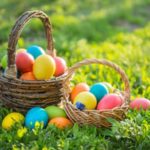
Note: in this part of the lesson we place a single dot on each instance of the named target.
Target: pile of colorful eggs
(34, 64)
(100, 96)
(51, 115)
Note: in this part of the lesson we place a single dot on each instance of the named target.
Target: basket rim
(51, 80)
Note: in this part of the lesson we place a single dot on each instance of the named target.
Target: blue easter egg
(99, 90)
(36, 114)
(80, 106)
(35, 51)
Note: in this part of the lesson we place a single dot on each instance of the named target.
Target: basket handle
(16, 31)
(124, 77)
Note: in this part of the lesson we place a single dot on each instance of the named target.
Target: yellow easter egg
(44, 67)
(87, 99)
(20, 50)
(11, 119)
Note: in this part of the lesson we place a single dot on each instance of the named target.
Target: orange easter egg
(27, 76)
(81, 87)
(60, 122)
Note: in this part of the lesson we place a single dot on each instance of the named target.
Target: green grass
(115, 30)
(132, 133)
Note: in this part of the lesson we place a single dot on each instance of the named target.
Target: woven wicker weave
(97, 117)
(21, 95)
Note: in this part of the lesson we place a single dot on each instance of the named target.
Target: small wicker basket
(20, 95)
(96, 117)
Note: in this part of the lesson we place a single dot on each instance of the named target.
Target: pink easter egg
(139, 103)
(60, 66)
(109, 101)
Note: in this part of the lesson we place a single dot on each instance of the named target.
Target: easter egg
(35, 51)
(140, 103)
(27, 76)
(60, 122)
(60, 66)
(36, 114)
(54, 111)
(44, 67)
(4, 61)
(11, 119)
(99, 90)
(80, 87)
(24, 62)
(109, 101)
(20, 50)
(108, 86)
(85, 100)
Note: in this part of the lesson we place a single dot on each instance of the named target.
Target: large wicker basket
(97, 117)
(20, 95)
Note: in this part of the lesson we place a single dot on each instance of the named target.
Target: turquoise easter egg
(99, 90)
(36, 114)
(35, 51)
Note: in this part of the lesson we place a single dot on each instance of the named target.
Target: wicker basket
(20, 95)
(96, 117)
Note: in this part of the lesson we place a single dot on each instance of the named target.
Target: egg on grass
(60, 122)
(55, 111)
(11, 119)
(36, 115)
(140, 103)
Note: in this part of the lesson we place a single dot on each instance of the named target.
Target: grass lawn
(115, 30)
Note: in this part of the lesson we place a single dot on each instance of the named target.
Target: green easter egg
(108, 86)
(54, 111)
(4, 61)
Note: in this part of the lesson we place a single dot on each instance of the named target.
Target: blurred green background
(116, 30)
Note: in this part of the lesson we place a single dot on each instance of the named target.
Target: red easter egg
(109, 101)
(139, 103)
(60, 66)
(24, 62)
